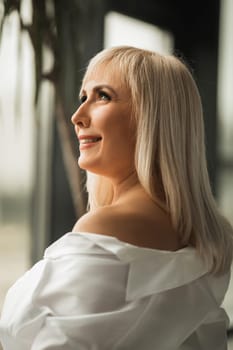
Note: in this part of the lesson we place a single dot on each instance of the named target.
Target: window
(225, 112)
(124, 30)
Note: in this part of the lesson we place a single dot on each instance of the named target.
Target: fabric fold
(93, 291)
(151, 270)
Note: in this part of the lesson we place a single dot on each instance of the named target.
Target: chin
(91, 166)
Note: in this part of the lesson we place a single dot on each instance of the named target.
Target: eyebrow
(96, 88)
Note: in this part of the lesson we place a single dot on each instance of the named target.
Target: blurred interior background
(44, 48)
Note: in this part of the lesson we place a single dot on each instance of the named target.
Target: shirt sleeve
(68, 302)
(76, 299)
(168, 320)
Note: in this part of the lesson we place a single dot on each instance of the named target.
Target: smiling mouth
(89, 140)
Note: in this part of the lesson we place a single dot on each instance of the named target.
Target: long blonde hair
(170, 149)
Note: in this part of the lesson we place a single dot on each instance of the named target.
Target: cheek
(127, 133)
(119, 125)
(120, 141)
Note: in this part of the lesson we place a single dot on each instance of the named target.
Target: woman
(148, 266)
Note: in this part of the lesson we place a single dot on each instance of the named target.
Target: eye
(82, 99)
(104, 96)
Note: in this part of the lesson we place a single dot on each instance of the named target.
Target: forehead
(105, 73)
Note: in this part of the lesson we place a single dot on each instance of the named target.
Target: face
(104, 126)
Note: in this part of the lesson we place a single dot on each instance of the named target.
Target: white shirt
(94, 292)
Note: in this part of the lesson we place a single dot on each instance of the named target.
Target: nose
(81, 117)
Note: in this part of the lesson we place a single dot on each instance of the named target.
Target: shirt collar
(150, 271)
(153, 271)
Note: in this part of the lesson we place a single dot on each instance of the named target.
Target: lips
(89, 140)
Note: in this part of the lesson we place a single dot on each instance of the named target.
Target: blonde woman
(149, 264)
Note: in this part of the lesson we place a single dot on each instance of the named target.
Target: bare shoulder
(134, 227)
(105, 220)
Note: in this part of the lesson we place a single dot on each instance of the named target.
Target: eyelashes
(104, 96)
(82, 99)
(101, 95)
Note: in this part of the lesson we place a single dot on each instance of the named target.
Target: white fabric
(94, 292)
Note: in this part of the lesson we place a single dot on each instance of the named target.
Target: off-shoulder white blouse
(94, 292)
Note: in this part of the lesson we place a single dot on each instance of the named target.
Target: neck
(123, 187)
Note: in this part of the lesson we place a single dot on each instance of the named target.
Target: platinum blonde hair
(170, 149)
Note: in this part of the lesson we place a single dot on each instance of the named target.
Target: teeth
(83, 141)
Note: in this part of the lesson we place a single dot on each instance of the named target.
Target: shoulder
(131, 226)
(107, 220)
